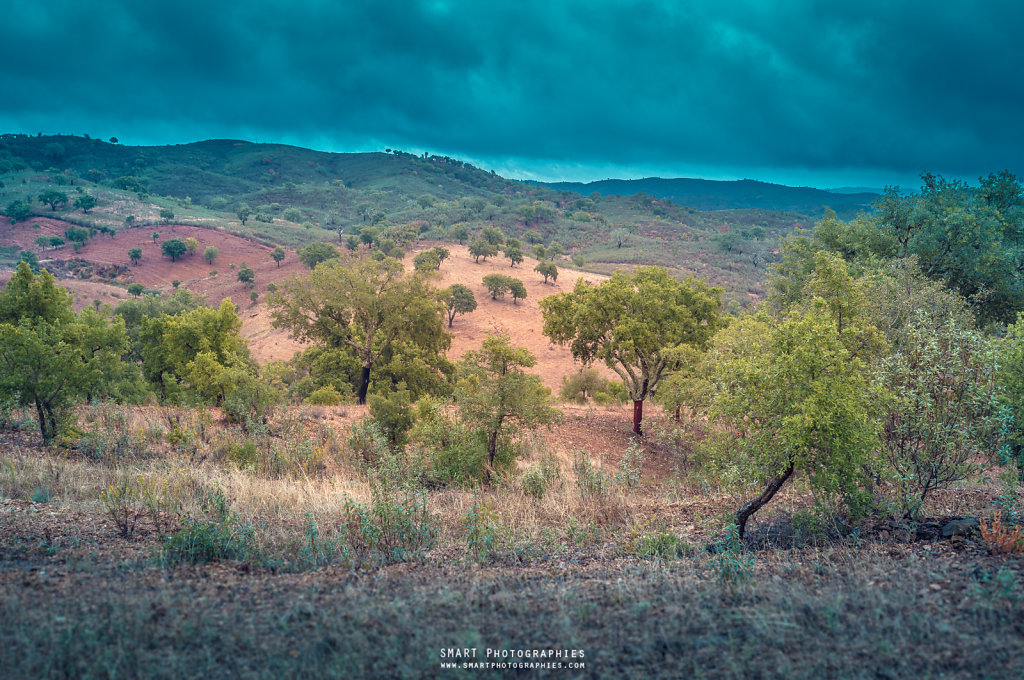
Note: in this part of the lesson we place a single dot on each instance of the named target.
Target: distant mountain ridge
(707, 194)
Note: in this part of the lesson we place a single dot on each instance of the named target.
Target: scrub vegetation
(824, 480)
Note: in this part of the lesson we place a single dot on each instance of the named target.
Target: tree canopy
(367, 305)
(634, 323)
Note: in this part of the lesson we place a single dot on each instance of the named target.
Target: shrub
(455, 453)
(367, 441)
(123, 503)
(324, 396)
(730, 562)
(394, 413)
(396, 525)
(483, 531)
(659, 544)
(217, 536)
(591, 482)
(630, 465)
(536, 479)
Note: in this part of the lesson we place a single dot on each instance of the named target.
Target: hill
(706, 194)
(276, 194)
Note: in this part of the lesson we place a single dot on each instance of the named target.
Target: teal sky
(826, 93)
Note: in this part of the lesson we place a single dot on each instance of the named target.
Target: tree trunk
(755, 504)
(364, 385)
(638, 415)
(43, 430)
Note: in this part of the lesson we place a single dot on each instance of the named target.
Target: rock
(960, 527)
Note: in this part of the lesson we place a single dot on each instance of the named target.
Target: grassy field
(615, 570)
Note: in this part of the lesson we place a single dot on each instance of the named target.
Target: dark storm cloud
(860, 86)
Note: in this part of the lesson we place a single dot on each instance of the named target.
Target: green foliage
(315, 253)
(396, 525)
(537, 479)
(481, 248)
(798, 392)
(456, 453)
(210, 254)
(173, 248)
(50, 356)
(483, 531)
(518, 290)
(426, 261)
(166, 214)
(548, 270)
(731, 564)
(591, 482)
(243, 213)
(497, 285)
(459, 299)
(492, 235)
(497, 397)
(459, 232)
(136, 289)
(135, 254)
(18, 210)
(635, 323)
(394, 413)
(217, 535)
(660, 544)
(943, 410)
(85, 202)
(54, 198)
(514, 254)
(246, 273)
(325, 396)
(278, 255)
(1011, 382)
(76, 234)
(30, 259)
(367, 306)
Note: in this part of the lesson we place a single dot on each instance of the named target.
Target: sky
(819, 93)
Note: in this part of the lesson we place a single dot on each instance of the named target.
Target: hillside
(277, 194)
(706, 194)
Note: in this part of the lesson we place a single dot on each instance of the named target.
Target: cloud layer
(869, 88)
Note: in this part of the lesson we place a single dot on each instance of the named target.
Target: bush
(396, 525)
(218, 536)
(367, 441)
(630, 465)
(591, 482)
(324, 396)
(123, 502)
(659, 544)
(394, 413)
(536, 479)
(455, 453)
(483, 531)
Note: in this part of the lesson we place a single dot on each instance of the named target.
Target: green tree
(136, 289)
(29, 258)
(459, 300)
(85, 202)
(548, 270)
(192, 244)
(246, 274)
(49, 356)
(442, 254)
(540, 252)
(620, 236)
(497, 285)
(166, 214)
(635, 323)
(492, 235)
(243, 213)
(369, 235)
(155, 235)
(367, 306)
(498, 398)
(942, 410)
(352, 242)
(514, 254)
(135, 254)
(53, 198)
(278, 255)
(56, 241)
(210, 254)
(18, 210)
(173, 248)
(481, 248)
(518, 290)
(76, 234)
(460, 232)
(426, 261)
(315, 253)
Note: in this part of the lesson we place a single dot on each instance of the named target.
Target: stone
(960, 527)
